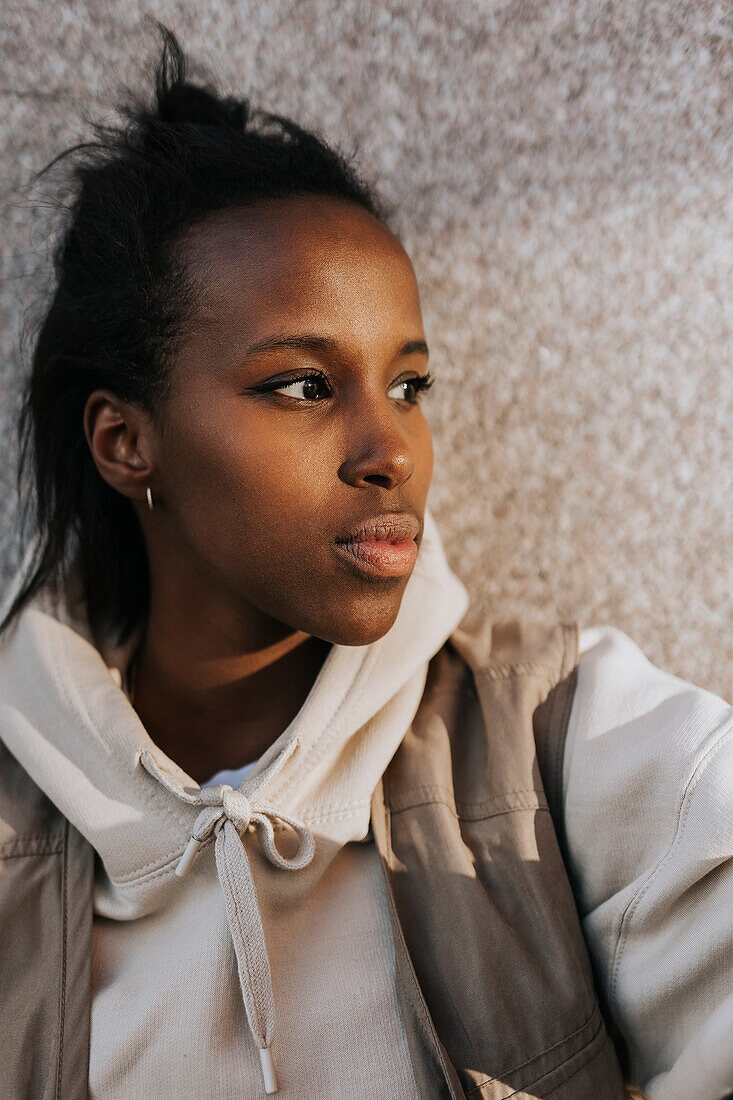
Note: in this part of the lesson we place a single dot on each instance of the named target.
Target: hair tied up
(182, 102)
(121, 303)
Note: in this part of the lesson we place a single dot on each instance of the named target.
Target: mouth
(383, 546)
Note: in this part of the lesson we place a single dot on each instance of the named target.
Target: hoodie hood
(67, 721)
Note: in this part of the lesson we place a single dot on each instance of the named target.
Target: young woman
(271, 819)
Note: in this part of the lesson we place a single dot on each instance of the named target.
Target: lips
(382, 546)
(389, 527)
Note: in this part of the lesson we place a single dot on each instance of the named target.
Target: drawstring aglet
(184, 863)
(268, 1070)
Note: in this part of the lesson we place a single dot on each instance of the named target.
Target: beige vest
(495, 986)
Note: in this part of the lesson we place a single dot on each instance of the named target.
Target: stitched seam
(520, 668)
(347, 809)
(161, 871)
(576, 1069)
(57, 838)
(5, 856)
(447, 793)
(336, 808)
(418, 1008)
(685, 802)
(149, 870)
(536, 806)
(135, 883)
(543, 1053)
(64, 936)
(40, 845)
(333, 815)
(388, 836)
(351, 807)
(583, 1064)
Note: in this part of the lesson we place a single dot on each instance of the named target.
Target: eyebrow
(323, 344)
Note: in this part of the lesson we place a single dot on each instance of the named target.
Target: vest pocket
(492, 928)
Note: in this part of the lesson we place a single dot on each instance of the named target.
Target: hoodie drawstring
(229, 813)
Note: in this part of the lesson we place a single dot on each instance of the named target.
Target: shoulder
(643, 716)
(647, 788)
(638, 740)
(648, 712)
(612, 663)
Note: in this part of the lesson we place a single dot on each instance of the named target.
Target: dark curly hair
(120, 302)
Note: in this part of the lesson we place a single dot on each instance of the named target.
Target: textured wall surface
(563, 178)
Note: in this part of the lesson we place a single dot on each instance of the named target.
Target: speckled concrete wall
(563, 175)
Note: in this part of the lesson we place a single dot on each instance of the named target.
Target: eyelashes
(420, 384)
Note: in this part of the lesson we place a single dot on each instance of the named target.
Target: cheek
(427, 453)
(247, 484)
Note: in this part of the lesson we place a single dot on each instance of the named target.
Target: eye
(309, 387)
(417, 385)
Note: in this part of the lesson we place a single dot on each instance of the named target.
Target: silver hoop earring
(150, 498)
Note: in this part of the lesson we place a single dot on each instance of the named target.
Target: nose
(379, 449)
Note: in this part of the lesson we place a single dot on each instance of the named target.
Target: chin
(359, 626)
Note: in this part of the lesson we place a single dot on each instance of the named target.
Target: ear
(120, 438)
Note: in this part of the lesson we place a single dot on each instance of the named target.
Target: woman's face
(257, 473)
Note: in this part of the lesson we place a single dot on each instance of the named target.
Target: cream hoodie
(193, 974)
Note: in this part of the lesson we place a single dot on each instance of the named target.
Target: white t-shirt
(232, 776)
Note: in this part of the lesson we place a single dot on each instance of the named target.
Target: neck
(215, 682)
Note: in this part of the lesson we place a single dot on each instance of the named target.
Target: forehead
(303, 260)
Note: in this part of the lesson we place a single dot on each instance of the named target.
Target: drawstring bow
(229, 814)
